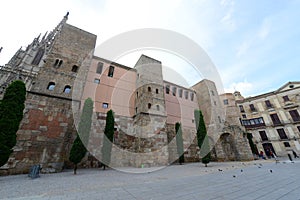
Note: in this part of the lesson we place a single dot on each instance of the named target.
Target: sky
(254, 44)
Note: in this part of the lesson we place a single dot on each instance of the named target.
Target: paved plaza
(230, 180)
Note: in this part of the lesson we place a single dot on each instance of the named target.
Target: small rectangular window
(282, 134)
(241, 108)
(275, 119)
(174, 89)
(252, 108)
(212, 92)
(180, 93)
(186, 94)
(105, 105)
(286, 144)
(99, 68)
(295, 115)
(167, 89)
(96, 80)
(268, 104)
(244, 116)
(285, 98)
(111, 71)
(225, 101)
(263, 136)
(298, 127)
(192, 96)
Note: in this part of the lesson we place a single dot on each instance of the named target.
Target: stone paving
(230, 180)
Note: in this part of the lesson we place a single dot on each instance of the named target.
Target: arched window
(156, 91)
(60, 63)
(149, 89)
(149, 105)
(38, 57)
(51, 86)
(67, 89)
(75, 68)
(56, 62)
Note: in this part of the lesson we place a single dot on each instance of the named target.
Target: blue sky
(254, 44)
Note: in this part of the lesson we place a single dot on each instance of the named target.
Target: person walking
(295, 154)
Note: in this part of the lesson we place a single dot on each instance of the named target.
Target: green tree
(251, 143)
(108, 138)
(78, 149)
(11, 114)
(202, 137)
(179, 142)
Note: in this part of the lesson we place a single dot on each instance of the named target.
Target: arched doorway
(228, 147)
(268, 147)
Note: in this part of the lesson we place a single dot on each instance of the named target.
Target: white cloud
(244, 87)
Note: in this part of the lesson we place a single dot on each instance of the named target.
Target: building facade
(273, 119)
(60, 72)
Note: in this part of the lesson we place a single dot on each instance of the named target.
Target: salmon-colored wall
(180, 109)
(117, 91)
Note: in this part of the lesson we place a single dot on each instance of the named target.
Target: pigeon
(259, 167)
(271, 171)
(233, 176)
(241, 170)
(220, 170)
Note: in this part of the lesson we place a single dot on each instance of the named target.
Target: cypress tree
(108, 138)
(179, 142)
(202, 138)
(251, 143)
(78, 149)
(11, 114)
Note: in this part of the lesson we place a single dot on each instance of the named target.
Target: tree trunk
(75, 168)
(205, 165)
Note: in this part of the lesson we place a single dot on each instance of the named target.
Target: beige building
(273, 119)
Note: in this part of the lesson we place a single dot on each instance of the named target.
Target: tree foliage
(108, 139)
(78, 149)
(202, 137)
(179, 142)
(11, 114)
(251, 143)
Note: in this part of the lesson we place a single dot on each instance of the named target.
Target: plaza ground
(260, 179)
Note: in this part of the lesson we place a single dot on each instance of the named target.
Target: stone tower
(49, 67)
(150, 113)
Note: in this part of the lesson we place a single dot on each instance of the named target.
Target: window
(252, 108)
(67, 89)
(58, 63)
(263, 136)
(167, 89)
(75, 68)
(193, 121)
(252, 123)
(38, 57)
(157, 107)
(51, 86)
(215, 103)
(111, 71)
(241, 108)
(268, 104)
(149, 105)
(174, 89)
(219, 118)
(97, 81)
(285, 98)
(99, 68)
(225, 101)
(186, 94)
(192, 96)
(212, 92)
(298, 127)
(156, 91)
(180, 93)
(282, 134)
(291, 86)
(105, 105)
(286, 144)
(275, 119)
(135, 110)
(149, 89)
(244, 116)
(137, 94)
(295, 115)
